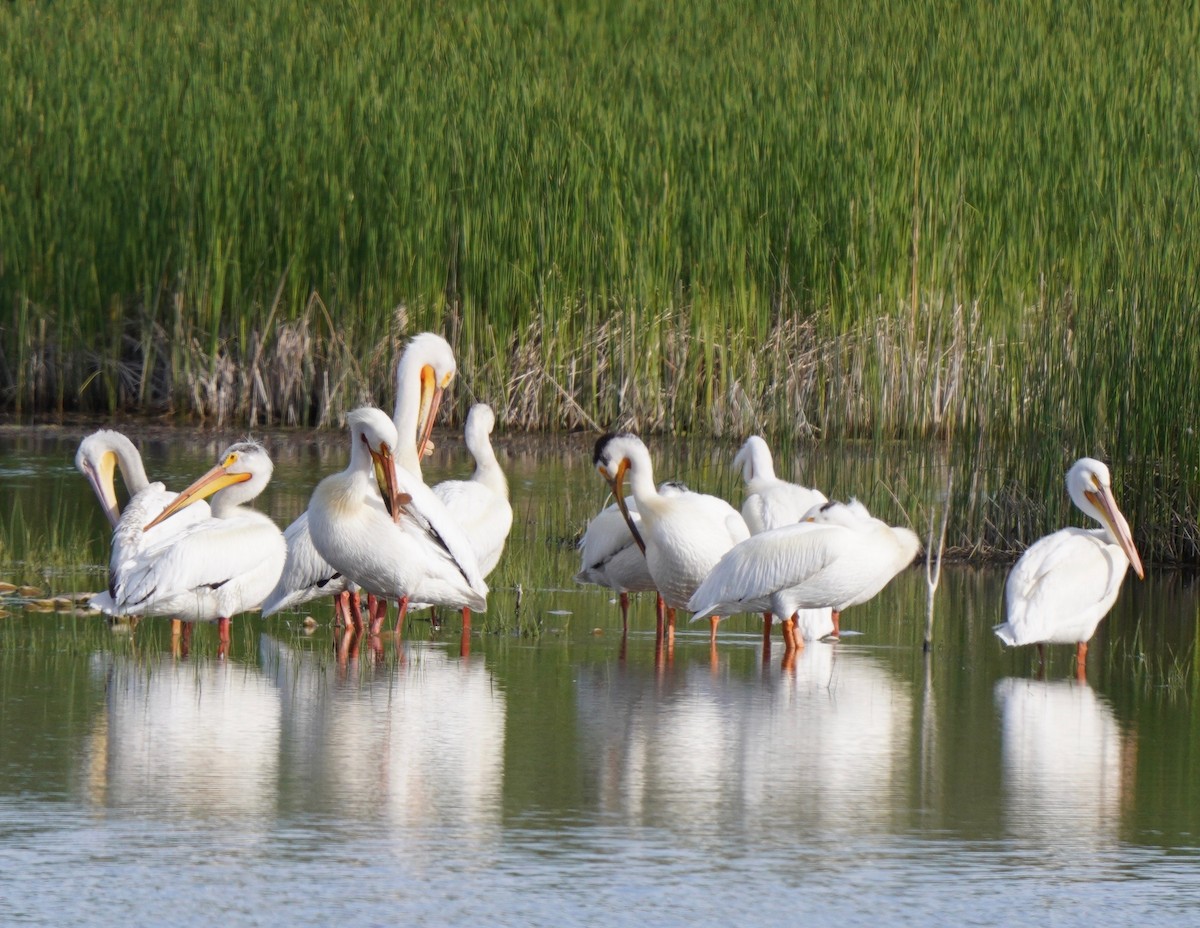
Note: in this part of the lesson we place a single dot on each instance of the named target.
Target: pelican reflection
(195, 738)
(826, 744)
(420, 742)
(1065, 760)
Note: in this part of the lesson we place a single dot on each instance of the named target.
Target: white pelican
(1066, 582)
(384, 529)
(610, 557)
(425, 369)
(770, 502)
(211, 569)
(838, 557)
(98, 458)
(683, 536)
(480, 505)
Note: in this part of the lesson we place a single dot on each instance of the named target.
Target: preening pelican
(610, 557)
(683, 536)
(384, 529)
(213, 568)
(99, 456)
(425, 369)
(770, 502)
(838, 557)
(1066, 582)
(480, 505)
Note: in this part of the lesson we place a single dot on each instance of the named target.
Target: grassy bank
(821, 221)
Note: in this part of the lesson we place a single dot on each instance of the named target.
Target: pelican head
(852, 514)
(373, 432)
(612, 458)
(425, 370)
(244, 462)
(97, 459)
(1090, 486)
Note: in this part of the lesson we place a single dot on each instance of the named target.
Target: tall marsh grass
(821, 221)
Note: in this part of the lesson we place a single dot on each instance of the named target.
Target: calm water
(553, 776)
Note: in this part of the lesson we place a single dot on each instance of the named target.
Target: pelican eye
(229, 461)
(446, 380)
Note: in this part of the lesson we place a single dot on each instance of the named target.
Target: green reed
(919, 222)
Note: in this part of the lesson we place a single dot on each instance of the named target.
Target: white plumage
(1065, 583)
(425, 368)
(211, 568)
(608, 554)
(99, 456)
(408, 549)
(839, 557)
(480, 505)
(770, 502)
(684, 535)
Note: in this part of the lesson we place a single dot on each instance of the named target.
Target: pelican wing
(783, 558)
(428, 513)
(203, 555)
(606, 536)
(776, 503)
(1061, 580)
(484, 515)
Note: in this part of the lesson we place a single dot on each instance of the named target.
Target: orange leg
(464, 644)
(660, 621)
(624, 598)
(766, 647)
(1081, 650)
(837, 624)
(346, 606)
(401, 614)
(376, 613)
(223, 625)
(713, 620)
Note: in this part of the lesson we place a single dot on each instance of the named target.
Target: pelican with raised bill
(839, 557)
(683, 536)
(381, 527)
(1065, 583)
(211, 569)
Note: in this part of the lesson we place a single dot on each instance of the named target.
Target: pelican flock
(790, 553)
(424, 370)
(379, 525)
